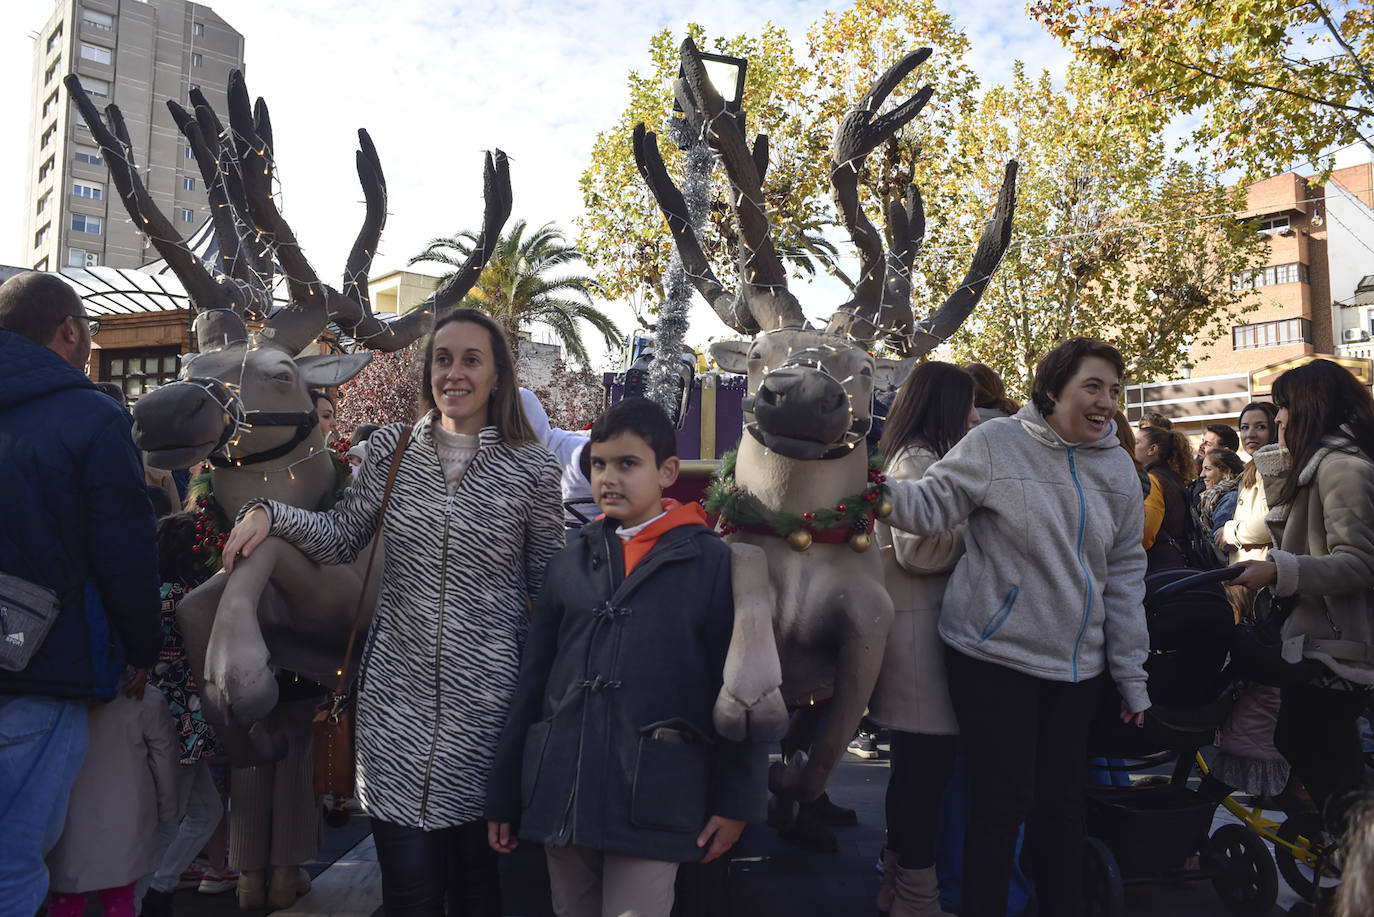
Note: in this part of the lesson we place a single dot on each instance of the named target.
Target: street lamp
(727, 77)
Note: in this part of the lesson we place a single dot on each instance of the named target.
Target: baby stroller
(1146, 833)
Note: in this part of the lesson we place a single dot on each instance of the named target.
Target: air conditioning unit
(92, 259)
(1354, 335)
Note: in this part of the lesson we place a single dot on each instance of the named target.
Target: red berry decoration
(843, 508)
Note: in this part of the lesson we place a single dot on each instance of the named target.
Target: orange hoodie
(674, 514)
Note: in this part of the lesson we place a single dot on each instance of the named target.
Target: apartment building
(136, 54)
(1314, 298)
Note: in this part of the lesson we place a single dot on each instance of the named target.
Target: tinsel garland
(671, 327)
(213, 525)
(739, 509)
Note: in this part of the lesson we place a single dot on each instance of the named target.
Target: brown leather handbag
(332, 730)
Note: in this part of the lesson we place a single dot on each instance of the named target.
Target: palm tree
(515, 289)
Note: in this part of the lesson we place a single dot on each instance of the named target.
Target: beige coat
(1325, 555)
(1247, 534)
(912, 694)
(126, 786)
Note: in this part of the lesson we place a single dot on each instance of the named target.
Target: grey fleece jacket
(1052, 580)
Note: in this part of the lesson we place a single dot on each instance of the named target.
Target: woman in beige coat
(933, 411)
(1324, 560)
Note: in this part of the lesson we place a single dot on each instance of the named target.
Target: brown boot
(916, 893)
(252, 890)
(887, 889)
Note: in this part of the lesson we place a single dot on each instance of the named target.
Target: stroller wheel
(1315, 861)
(1246, 879)
(1104, 894)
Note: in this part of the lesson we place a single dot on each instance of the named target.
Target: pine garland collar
(850, 520)
(213, 525)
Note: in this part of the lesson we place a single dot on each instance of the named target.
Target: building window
(197, 28)
(49, 104)
(51, 72)
(1271, 334)
(42, 264)
(54, 38)
(190, 153)
(95, 87)
(138, 372)
(43, 202)
(90, 190)
(196, 59)
(45, 169)
(188, 183)
(79, 257)
(47, 137)
(89, 156)
(97, 20)
(41, 236)
(83, 223)
(93, 53)
(187, 215)
(1272, 275)
(1270, 225)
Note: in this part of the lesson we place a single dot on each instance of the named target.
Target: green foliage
(516, 287)
(1275, 82)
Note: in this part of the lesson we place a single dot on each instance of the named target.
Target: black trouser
(422, 869)
(1318, 735)
(1026, 741)
(921, 765)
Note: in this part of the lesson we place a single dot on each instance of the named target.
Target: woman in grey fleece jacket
(1044, 605)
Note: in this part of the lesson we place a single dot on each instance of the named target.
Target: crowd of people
(514, 688)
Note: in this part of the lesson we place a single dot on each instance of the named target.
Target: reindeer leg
(750, 705)
(238, 679)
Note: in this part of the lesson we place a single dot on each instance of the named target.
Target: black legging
(420, 869)
(921, 765)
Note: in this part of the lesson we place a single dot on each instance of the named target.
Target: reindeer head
(243, 399)
(811, 390)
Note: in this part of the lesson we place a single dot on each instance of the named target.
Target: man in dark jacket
(76, 519)
(609, 757)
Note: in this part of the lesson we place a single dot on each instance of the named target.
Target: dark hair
(989, 391)
(1323, 399)
(114, 391)
(1229, 438)
(176, 562)
(505, 412)
(364, 431)
(1268, 410)
(1155, 419)
(639, 416)
(1125, 436)
(162, 504)
(1227, 457)
(932, 408)
(33, 304)
(1174, 451)
(317, 395)
(1058, 366)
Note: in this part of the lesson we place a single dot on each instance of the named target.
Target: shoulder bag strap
(372, 555)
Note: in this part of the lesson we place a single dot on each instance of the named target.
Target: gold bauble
(799, 540)
(884, 508)
(859, 542)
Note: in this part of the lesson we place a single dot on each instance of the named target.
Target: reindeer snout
(802, 403)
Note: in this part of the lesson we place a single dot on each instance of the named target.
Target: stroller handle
(1205, 578)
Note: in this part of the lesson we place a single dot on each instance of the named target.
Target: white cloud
(435, 83)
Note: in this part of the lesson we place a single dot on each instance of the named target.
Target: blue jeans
(42, 742)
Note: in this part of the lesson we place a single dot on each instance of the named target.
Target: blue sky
(435, 83)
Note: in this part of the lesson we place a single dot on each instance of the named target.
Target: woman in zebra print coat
(475, 514)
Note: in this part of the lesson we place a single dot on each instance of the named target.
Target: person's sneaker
(192, 876)
(218, 881)
(865, 745)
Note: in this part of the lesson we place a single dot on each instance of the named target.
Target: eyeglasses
(92, 323)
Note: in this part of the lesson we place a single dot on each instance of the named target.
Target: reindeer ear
(331, 369)
(732, 356)
(888, 374)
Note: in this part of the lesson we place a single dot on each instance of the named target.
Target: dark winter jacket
(610, 743)
(1164, 554)
(76, 518)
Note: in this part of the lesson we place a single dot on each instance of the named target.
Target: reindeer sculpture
(243, 402)
(806, 415)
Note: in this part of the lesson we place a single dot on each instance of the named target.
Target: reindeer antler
(764, 300)
(861, 131)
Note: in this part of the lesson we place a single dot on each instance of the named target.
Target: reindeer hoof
(764, 720)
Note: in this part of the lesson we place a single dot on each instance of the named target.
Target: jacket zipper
(1087, 576)
(439, 647)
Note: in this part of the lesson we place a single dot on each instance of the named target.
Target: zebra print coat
(440, 663)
